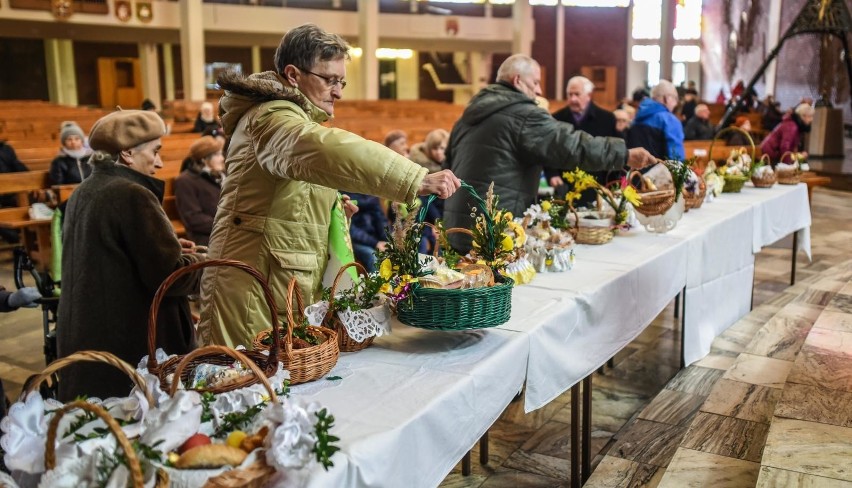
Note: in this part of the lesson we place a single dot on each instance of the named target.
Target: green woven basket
(734, 183)
(473, 308)
(459, 309)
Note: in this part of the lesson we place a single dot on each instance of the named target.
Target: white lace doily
(361, 324)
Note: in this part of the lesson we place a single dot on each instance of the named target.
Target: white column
(479, 70)
(560, 51)
(522, 32)
(168, 72)
(408, 78)
(256, 64)
(368, 38)
(667, 39)
(773, 35)
(150, 66)
(192, 50)
(61, 76)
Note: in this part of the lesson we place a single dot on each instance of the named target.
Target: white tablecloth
(417, 400)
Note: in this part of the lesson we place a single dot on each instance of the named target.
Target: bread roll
(211, 456)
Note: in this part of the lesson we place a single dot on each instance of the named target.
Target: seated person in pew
(431, 155)
(9, 163)
(367, 229)
(118, 247)
(206, 119)
(737, 138)
(70, 166)
(197, 188)
(397, 141)
(698, 127)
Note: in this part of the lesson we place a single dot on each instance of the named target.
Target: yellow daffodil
(631, 195)
(507, 244)
(475, 245)
(520, 233)
(385, 288)
(508, 216)
(498, 216)
(386, 269)
(545, 205)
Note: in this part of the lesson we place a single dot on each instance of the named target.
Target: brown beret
(125, 129)
(205, 146)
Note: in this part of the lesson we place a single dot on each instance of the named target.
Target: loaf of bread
(211, 456)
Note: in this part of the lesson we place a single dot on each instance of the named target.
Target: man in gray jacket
(504, 137)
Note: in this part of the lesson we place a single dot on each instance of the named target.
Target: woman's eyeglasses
(329, 80)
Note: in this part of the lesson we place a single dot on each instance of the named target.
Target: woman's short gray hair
(306, 45)
(804, 109)
(516, 64)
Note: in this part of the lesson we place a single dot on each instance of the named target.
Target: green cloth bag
(56, 251)
(339, 249)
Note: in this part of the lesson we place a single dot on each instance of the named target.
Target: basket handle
(421, 216)
(766, 157)
(792, 155)
(293, 292)
(731, 128)
(272, 363)
(115, 429)
(239, 356)
(94, 357)
(643, 187)
(361, 271)
(452, 230)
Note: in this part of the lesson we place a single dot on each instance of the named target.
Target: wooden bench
(23, 183)
(18, 218)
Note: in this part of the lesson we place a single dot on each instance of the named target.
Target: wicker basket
(34, 382)
(655, 202)
(768, 179)
(696, 199)
(132, 460)
(309, 363)
(268, 364)
(734, 183)
(789, 177)
(257, 474)
(595, 232)
(458, 309)
(332, 321)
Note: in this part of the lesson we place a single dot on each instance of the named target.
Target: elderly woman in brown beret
(118, 246)
(198, 186)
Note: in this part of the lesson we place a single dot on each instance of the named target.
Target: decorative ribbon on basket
(763, 178)
(734, 182)
(356, 329)
(464, 308)
(268, 363)
(308, 363)
(786, 174)
(51, 478)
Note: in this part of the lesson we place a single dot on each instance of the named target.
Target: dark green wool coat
(118, 246)
(504, 137)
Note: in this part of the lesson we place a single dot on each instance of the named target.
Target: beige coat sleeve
(289, 146)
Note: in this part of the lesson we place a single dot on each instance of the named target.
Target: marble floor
(533, 450)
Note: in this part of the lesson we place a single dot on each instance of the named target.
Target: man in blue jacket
(655, 127)
(367, 229)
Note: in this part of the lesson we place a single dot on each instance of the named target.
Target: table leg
(466, 464)
(587, 428)
(683, 328)
(576, 481)
(483, 448)
(677, 306)
(795, 254)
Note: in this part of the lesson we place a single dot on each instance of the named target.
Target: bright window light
(386, 53)
(688, 19)
(653, 73)
(686, 54)
(647, 19)
(596, 3)
(649, 54)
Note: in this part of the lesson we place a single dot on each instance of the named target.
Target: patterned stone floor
(533, 450)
